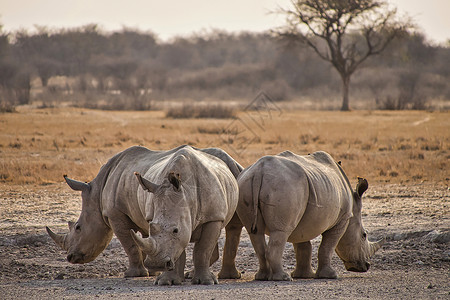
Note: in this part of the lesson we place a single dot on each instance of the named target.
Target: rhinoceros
(294, 199)
(201, 185)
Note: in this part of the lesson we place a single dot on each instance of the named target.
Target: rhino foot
(136, 272)
(326, 273)
(281, 276)
(205, 278)
(262, 275)
(304, 274)
(229, 274)
(168, 278)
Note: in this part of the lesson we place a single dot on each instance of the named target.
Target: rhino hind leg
(330, 239)
(203, 251)
(121, 226)
(259, 244)
(258, 240)
(303, 256)
(233, 234)
(275, 249)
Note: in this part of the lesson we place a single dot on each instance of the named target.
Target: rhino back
(232, 164)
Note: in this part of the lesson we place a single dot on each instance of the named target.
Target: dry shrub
(198, 111)
(210, 130)
(7, 107)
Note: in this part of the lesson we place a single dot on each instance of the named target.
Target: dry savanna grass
(38, 146)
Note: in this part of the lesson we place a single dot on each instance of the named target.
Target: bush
(7, 108)
(189, 111)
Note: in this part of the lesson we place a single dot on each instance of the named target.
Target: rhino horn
(60, 239)
(148, 245)
(146, 184)
(77, 185)
(374, 246)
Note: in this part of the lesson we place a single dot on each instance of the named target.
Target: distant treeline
(129, 69)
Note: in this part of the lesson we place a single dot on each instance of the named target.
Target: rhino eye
(175, 230)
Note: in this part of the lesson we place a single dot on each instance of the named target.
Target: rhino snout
(75, 258)
(358, 267)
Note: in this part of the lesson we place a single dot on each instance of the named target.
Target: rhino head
(171, 228)
(90, 235)
(354, 248)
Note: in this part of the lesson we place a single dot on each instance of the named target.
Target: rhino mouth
(166, 264)
(357, 267)
(77, 258)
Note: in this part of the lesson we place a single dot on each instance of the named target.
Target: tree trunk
(345, 88)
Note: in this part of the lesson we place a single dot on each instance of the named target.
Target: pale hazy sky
(183, 17)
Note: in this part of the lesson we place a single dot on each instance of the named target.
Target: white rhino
(294, 199)
(195, 196)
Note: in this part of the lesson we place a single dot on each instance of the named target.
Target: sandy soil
(414, 263)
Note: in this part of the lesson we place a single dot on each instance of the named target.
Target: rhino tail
(256, 187)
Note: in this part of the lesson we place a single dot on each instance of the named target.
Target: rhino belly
(313, 223)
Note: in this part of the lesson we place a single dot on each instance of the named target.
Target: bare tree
(343, 32)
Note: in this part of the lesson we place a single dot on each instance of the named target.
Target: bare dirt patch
(414, 263)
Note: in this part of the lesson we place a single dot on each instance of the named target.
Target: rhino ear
(361, 186)
(146, 184)
(77, 185)
(71, 224)
(175, 180)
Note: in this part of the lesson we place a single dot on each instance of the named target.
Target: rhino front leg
(214, 258)
(275, 249)
(330, 239)
(303, 256)
(233, 234)
(203, 250)
(121, 226)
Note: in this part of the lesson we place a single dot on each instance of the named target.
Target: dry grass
(39, 146)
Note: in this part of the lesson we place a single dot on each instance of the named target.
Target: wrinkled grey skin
(294, 199)
(111, 204)
(193, 196)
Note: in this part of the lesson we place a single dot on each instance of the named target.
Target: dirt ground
(414, 263)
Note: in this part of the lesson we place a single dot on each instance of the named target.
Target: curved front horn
(77, 185)
(147, 185)
(59, 239)
(374, 246)
(148, 245)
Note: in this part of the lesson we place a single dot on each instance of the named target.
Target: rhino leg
(330, 239)
(275, 249)
(203, 251)
(214, 258)
(121, 226)
(174, 277)
(303, 256)
(233, 234)
(259, 244)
